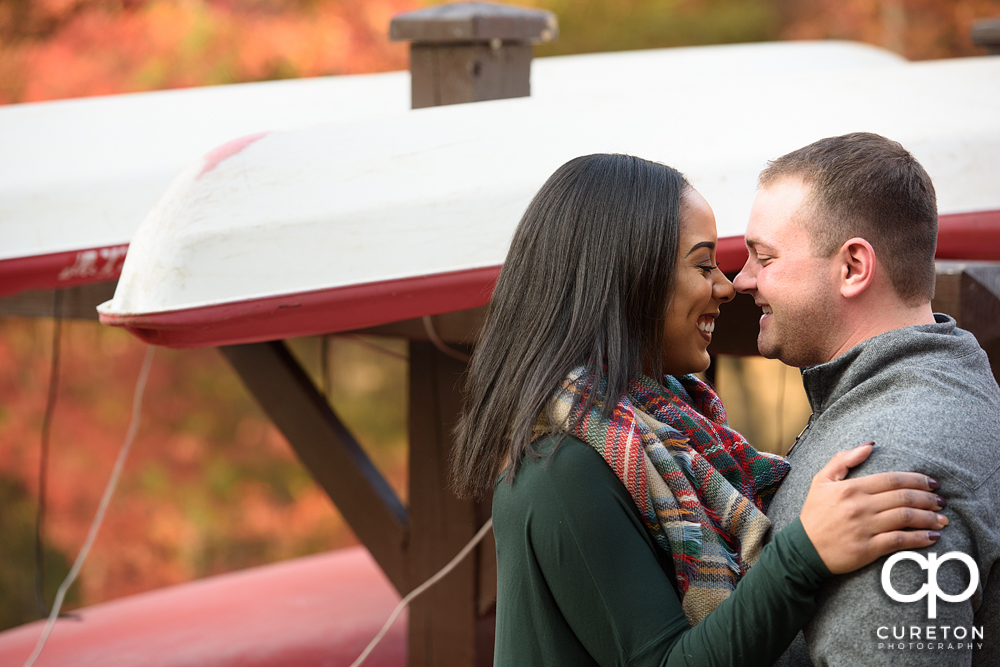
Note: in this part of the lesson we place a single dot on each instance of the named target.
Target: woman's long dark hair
(586, 281)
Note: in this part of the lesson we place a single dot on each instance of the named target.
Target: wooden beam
(446, 626)
(78, 303)
(458, 328)
(328, 450)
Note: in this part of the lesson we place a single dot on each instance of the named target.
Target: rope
(95, 526)
(440, 344)
(423, 587)
(43, 460)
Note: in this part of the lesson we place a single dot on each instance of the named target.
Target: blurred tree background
(211, 486)
(53, 49)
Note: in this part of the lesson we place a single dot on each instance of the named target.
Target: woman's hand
(852, 522)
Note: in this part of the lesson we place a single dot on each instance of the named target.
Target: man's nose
(745, 281)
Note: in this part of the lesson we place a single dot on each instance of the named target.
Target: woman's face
(700, 287)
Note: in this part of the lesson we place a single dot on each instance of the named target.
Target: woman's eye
(707, 268)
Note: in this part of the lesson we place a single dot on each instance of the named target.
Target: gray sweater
(927, 398)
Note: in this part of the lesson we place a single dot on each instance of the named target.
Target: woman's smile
(706, 325)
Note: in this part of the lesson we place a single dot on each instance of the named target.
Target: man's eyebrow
(704, 244)
(753, 243)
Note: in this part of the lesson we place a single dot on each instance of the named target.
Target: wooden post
(471, 51)
(461, 52)
(448, 624)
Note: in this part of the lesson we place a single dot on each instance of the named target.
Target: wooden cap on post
(986, 32)
(471, 51)
(474, 22)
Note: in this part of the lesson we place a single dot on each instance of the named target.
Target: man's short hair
(867, 186)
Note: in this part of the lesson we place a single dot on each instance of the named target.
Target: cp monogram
(931, 589)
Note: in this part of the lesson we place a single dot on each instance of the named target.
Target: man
(841, 240)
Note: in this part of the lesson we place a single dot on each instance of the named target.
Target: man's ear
(857, 267)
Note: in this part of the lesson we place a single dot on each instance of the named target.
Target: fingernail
(933, 535)
(865, 444)
(942, 503)
(943, 520)
(933, 484)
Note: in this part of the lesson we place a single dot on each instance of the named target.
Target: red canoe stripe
(969, 236)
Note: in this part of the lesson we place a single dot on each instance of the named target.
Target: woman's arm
(770, 605)
(614, 587)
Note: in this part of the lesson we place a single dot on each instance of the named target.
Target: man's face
(795, 289)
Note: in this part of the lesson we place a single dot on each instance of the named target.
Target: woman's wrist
(797, 539)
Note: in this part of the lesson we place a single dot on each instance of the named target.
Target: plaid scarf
(701, 488)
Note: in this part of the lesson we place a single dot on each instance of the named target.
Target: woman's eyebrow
(704, 244)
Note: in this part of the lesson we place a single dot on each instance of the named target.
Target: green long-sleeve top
(581, 582)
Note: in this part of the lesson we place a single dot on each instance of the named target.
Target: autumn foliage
(210, 485)
(53, 49)
(917, 29)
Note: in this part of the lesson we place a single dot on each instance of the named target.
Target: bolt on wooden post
(471, 51)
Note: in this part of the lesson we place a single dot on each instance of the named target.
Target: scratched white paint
(442, 189)
(97, 264)
(84, 173)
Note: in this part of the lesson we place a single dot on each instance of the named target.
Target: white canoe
(343, 226)
(77, 177)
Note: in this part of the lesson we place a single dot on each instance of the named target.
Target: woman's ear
(857, 267)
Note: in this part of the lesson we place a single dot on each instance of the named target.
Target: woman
(625, 510)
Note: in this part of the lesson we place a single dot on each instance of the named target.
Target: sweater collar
(827, 383)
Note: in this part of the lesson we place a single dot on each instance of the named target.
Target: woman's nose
(723, 289)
